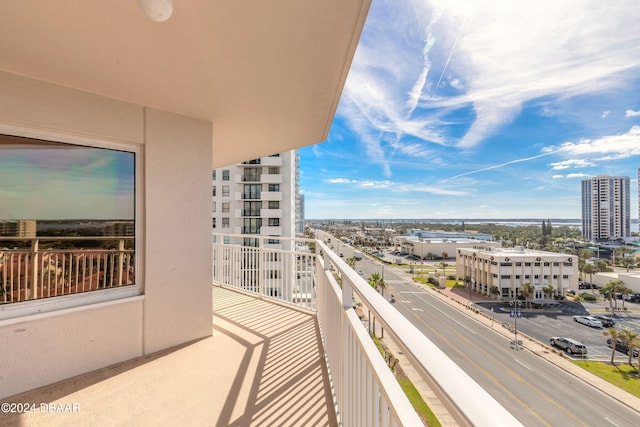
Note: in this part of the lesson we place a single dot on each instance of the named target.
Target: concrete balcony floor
(263, 366)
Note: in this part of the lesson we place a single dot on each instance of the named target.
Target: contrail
(500, 165)
(446, 64)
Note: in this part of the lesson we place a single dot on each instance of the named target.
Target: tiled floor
(261, 367)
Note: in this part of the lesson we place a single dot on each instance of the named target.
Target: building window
(274, 274)
(505, 276)
(505, 264)
(273, 171)
(527, 277)
(225, 191)
(251, 225)
(274, 204)
(274, 222)
(106, 180)
(225, 174)
(251, 208)
(251, 191)
(536, 276)
(225, 207)
(225, 222)
(214, 223)
(527, 264)
(565, 276)
(214, 175)
(536, 264)
(274, 241)
(556, 264)
(546, 264)
(274, 187)
(518, 264)
(517, 276)
(213, 207)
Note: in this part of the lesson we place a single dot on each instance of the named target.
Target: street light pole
(516, 312)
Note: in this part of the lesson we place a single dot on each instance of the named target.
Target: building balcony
(271, 178)
(271, 213)
(287, 348)
(272, 161)
(271, 196)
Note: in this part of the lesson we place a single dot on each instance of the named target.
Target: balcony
(287, 349)
(272, 161)
(271, 178)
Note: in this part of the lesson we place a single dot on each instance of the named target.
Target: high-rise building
(257, 197)
(606, 207)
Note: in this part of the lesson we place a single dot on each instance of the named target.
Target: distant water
(572, 222)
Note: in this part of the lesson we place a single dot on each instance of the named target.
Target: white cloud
(610, 147)
(631, 113)
(606, 113)
(575, 163)
(577, 175)
(341, 181)
(557, 176)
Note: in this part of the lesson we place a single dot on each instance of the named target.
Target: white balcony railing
(364, 388)
(34, 272)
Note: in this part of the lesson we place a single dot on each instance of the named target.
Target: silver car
(588, 320)
(569, 345)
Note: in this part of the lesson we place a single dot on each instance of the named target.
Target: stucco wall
(174, 239)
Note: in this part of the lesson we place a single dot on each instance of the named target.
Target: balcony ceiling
(267, 73)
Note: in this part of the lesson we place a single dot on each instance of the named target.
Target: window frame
(85, 300)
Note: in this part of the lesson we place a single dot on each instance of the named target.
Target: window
(274, 222)
(273, 241)
(274, 274)
(251, 191)
(225, 174)
(225, 207)
(213, 207)
(527, 264)
(518, 264)
(214, 191)
(505, 264)
(517, 276)
(527, 277)
(505, 276)
(225, 191)
(214, 175)
(251, 208)
(536, 264)
(274, 187)
(273, 171)
(225, 222)
(106, 179)
(214, 223)
(536, 276)
(274, 204)
(546, 264)
(251, 225)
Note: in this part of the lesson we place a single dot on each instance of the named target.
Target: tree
(527, 290)
(351, 262)
(629, 339)
(444, 257)
(583, 256)
(614, 334)
(628, 262)
(549, 290)
(611, 289)
(377, 282)
(494, 290)
(589, 269)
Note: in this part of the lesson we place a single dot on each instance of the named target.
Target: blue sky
(65, 182)
(481, 109)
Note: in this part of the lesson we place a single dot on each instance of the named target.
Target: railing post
(120, 260)
(34, 269)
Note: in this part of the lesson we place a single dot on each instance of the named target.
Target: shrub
(588, 297)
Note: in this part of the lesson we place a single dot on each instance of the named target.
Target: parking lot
(556, 319)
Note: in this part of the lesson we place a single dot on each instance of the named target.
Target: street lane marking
(417, 309)
(405, 301)
(517, 361)
(611, 422)
(449, 317)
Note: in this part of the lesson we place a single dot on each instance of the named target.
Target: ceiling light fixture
(157, 10)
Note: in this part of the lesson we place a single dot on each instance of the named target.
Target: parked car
(569, 345)
(588, 320)
(607, 321)
(622, 348)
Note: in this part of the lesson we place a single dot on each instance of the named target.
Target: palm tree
(628, 262)
(615, 335)
(527, 290)
(351, 262)
(444, 257)
(583, 256)
(589, 269)
(629, 339)
(611, 289)
(549, 290)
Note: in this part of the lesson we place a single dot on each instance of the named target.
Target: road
(534, 390)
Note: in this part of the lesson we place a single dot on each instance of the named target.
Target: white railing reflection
(33, 272)
(365, 390)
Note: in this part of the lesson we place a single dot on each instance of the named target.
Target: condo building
(606, 207)
(507, 269)
(257, 197)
